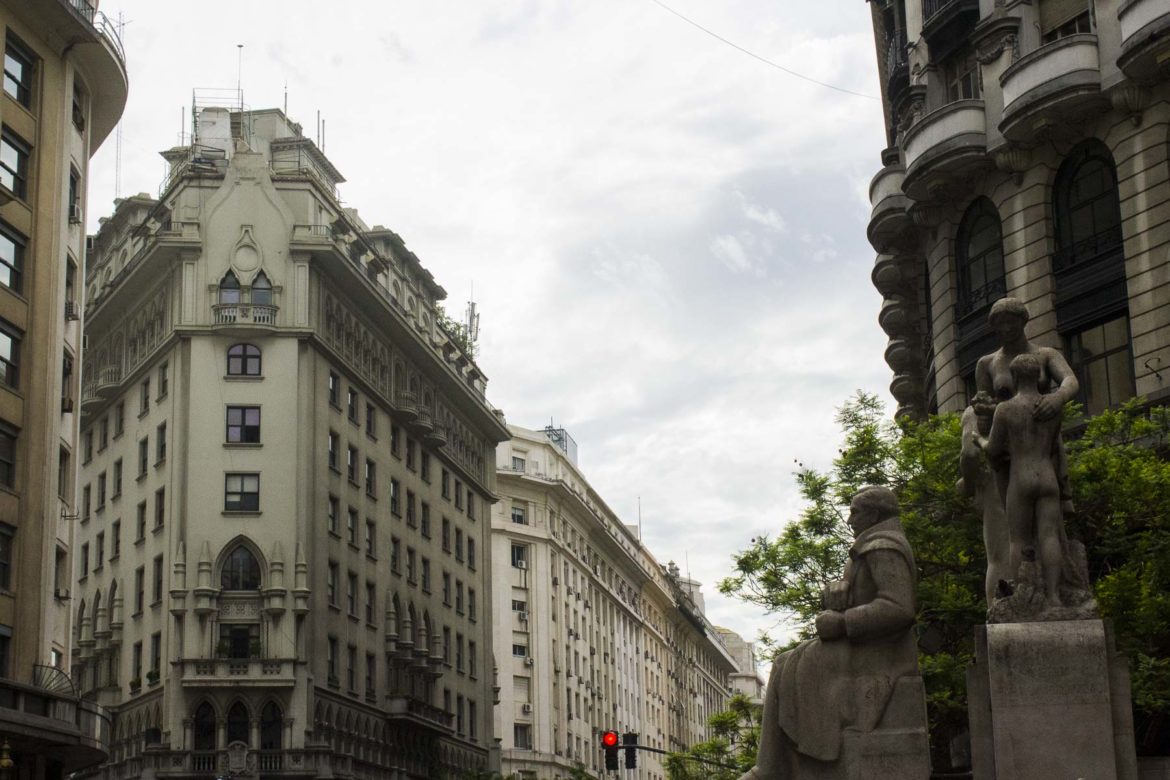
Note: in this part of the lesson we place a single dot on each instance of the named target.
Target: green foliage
(729, 753)
(457, 332)
(1121, 484)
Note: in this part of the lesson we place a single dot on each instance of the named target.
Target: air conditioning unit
(523, 617)
(72, 311)
(528, 661)
(61, 594)
(66, 405)
(521, 564)
(526, 709)
(75, 213)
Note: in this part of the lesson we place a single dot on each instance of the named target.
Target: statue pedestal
(1050, 699)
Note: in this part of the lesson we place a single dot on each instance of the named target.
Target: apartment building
(1026, 156)
(591, 632)
(286, 479)
(64, 88)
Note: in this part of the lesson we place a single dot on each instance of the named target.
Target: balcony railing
(100, 23)
(1105, 244)
(245, 314)
(981, 297)
(203, 760)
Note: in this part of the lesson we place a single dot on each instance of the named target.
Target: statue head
(871, 505)
(1025, 370)
(1007, 318)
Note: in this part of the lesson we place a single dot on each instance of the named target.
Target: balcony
(945, 22)
(407, 404)
(436, 437)
(896, 317)
(46, 715)
(312, 234)
(244, 317)
(903, 354)
(1050, 86)
(424, 423)
(893, 274)
(108, 379)
(1144, 41)
(944, 147)
(403, 708)
(890, 219)
(238, 672)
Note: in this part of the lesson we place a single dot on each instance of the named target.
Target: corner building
(1028, 156)
(591, 632)
(280, 437)
(64, 88)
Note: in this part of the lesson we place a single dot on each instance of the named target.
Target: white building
(591, 633)
(747, 680)
(286, 477)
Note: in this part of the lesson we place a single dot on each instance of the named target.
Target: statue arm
(1065, 386)
(970, 459)
(996, 445)
(892, 609)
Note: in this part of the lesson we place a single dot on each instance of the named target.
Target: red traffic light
(609, 738)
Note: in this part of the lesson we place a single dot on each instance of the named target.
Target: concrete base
(899, 748)
(1050, 700)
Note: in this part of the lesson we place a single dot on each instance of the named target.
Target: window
(979, 254)
(84, 562)
(115, 539)
(470, 505)
(447, 659)
(459, 714)
(143, 456)
(471, 607)
(394, 437)
(1086, 207)
(446, 535)
(351, 594)
(445, 484)
(18, 70)
(395, 548)
(459, 544)
(157, 592)
(351, 405)
(411, 453)
(447, 588)
(962, 74)
(160, 506)
(370, 670)
(471, 552)
(351, 668)
(459, 596)
(519, 651)
(229, 289)
(410, 572)
(243, 360)
(163, 379)
(519, 516)
(1061, 18)
(243, 424)
(334, 389)
(471, 659)
(395, 490)
(11, 257)
(371, 421)
(261, 290)
(241, 493)
(371, 599)
(160, 443)
(518, 464)
(410, 505)
(87, 447)
(141, 521)
(331, 584)
(1100, 355)
(117, 490)
(241, 571)
(136, 668)
(371, 479)
(331, 660)
(425, 520)
(520, 556)
(334, 444)
(459, 653)
(332, 509)
(144, 397)
(74, 196)
(426, 574)
(86, 500)
(351, 522)
(351, 457)
(101, 491)
(64, 483)
(78, 106)
(519, 606)
(139, 592)
(371, 538)
(471, 713)
(14, 154)
(119, 419)
(522, 736)
(424, 467)
(458, 494)
(239, 640)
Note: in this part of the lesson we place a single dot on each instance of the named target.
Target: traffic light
(630, 740)
(609, 741)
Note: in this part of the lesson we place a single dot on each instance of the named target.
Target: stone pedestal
(1050, 700)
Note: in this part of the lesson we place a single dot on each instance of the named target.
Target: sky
(665, 237)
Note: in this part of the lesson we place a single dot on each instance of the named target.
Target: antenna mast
(472, 323)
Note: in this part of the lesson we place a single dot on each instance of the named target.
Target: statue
(857, 681)
(1025, 493)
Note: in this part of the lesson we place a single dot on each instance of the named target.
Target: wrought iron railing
(981, 297)
(1103, 244)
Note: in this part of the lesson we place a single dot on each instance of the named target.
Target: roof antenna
(286, 97)
(240, 75)
(639, 518)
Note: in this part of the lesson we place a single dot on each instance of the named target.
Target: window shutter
(1054, 13)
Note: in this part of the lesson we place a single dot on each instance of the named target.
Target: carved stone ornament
(1130, 99)
(1012, 159)
(995, 46)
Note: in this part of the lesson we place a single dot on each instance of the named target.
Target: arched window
(240, 570)
(1086, 206)
(979, 255)
(262, 290)
(271, 727)
(243, 360)
(238, 724)
(203, 727)
(229, 288)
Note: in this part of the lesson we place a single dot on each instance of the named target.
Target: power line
(752, 54)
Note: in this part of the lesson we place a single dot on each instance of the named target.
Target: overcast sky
(666, 237)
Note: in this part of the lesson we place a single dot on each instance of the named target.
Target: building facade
(747, 681)
(591, 632)
(64, 90)
(1027, 156)
(286, 478)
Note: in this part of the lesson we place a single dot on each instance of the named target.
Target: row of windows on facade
(1087, 217)
(419, 576)
(462, 541)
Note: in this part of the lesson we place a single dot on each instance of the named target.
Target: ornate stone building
(64, 88)
(591, 632)
(1028, 156)
(286, 480)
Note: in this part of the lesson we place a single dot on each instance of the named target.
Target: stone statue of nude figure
(1026, 445)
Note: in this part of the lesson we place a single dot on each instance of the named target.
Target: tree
(1121, 487)
(729, 753)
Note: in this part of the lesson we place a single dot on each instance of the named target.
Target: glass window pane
(1116, 333)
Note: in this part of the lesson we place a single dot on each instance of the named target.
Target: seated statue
(849, 704)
